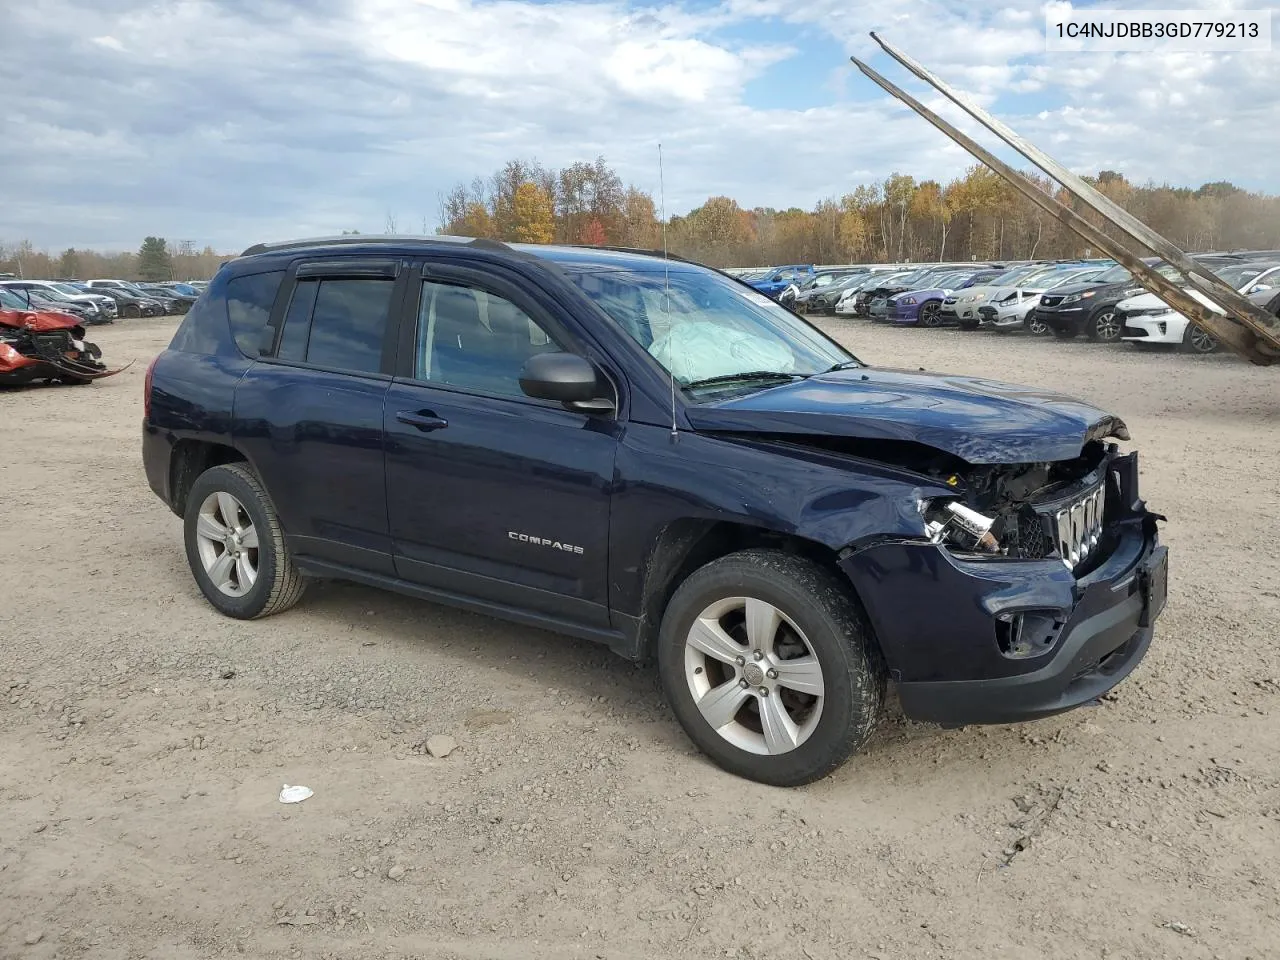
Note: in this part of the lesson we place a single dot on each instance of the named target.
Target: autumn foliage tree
(533, 214)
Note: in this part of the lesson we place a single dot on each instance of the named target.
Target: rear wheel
(770, 668)
(235, 546)
(929, 313)
(1103, 326)
(1195, 340)
(131, 310)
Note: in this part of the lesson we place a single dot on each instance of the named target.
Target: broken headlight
(951, 522)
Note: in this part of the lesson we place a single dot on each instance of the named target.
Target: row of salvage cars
(42, 324)
(1098, 299)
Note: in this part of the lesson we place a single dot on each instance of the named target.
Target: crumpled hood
(40, 321)
(980, 421)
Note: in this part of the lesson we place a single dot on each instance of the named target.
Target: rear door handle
(423, 420)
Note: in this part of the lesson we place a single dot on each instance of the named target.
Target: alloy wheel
(1200, 341)
(1106, 327)
(929, 313)
(753, 675)
(1036, 326)
(228, 544)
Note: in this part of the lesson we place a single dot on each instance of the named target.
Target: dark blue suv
(648, 453)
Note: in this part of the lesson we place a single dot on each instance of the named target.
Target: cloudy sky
(228, 122)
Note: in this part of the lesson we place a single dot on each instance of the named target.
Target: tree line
(976, 216)
(156, 259)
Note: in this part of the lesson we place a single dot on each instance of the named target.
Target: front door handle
(423, 420)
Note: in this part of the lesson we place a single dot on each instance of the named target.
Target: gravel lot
(144, 740)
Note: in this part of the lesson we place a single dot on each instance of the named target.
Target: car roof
(564, 255)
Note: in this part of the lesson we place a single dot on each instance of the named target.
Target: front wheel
(235, 545)
(769, 666)
(929, 314)
(1034, 325)
(1195, 340)
(1104, 327)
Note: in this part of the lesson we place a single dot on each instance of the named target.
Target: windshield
(1116, 274)
(68, 288)
(712, 328)
(1011, 276)
(51, 293)
(12, 301)
(1237, 277)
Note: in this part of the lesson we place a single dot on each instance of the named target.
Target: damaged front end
(45, 346)
(1032, 588)
(1031, 511)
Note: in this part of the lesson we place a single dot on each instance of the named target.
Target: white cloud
(239, 120)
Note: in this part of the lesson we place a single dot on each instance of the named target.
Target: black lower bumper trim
(1098, 654)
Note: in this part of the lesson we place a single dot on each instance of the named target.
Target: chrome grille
(1079, 527)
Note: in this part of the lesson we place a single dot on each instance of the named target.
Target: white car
(1015, 309)
(1149, 320)
(962, 306)
(102, 309)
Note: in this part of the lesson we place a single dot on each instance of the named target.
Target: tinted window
(475, 340)
(249, 300)
(297, 322)
(339, 323)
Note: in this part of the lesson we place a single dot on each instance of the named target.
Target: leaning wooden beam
(1263, 325)
(1234, 336)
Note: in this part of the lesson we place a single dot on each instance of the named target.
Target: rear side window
(249, 302)
(339, 323)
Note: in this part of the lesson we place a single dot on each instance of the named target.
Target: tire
(818, 620)
(1037, 328)
(276, 585)
(928, 314)
(1195, 340)
(131, 310)
(1102, 326)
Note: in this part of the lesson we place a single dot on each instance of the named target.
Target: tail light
(146, 388)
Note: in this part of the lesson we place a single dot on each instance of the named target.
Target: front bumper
(1062, 318)
(900, 313)
(1154, 328)
(938, 620)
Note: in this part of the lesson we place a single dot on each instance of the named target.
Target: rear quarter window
(250, 298)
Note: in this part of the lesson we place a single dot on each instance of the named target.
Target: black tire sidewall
(223, 479)
(843, 665)
(1092, 325)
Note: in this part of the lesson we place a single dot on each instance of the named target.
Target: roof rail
(357, 238)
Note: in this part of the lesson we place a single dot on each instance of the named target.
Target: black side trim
(614, 639)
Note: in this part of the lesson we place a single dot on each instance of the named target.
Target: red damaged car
(44, 345)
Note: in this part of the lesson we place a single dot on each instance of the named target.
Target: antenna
(666, 284)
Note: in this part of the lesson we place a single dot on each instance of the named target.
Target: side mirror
(1259, 287)
(565, 378)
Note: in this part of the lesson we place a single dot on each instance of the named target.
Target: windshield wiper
(843, 365)
(745, 377)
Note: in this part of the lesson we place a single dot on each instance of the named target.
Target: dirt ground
(144, 740)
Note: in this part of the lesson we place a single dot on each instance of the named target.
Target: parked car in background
(1016, 310)
(823, 299)
(776, 280)
(1037, 276)
(1146, 320)
(46, 345)
(174, 303)
(850, 305)
(1089, 307)
(128, 303)
(503, 418)
(923, 304)
(961, 307)
(89, 308)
